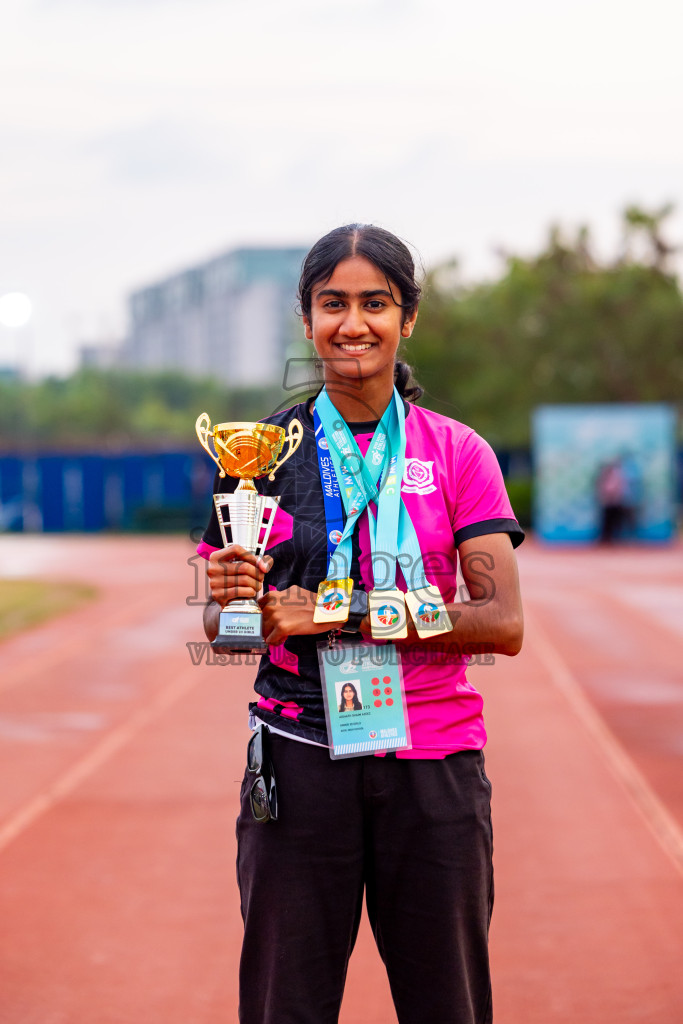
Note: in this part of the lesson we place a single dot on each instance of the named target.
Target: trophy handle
(204, 432)
(294, 436)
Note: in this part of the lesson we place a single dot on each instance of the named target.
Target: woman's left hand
(289, 613)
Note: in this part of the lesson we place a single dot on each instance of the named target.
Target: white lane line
(75, 641)
(658, 819)
(101, 753)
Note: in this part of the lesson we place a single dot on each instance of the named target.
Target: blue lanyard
(334, 511)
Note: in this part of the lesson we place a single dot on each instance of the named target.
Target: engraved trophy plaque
(246, 451)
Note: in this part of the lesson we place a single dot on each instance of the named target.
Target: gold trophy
(246, 451)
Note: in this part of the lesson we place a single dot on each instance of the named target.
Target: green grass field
(25, 603)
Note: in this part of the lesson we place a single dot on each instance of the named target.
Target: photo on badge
(350, 696)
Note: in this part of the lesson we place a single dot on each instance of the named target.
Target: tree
(101, 410)
(560, 327)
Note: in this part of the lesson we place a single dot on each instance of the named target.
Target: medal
(388, 618)
(333, 601)
(428, 611)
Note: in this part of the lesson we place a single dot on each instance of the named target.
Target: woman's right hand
(235, 572)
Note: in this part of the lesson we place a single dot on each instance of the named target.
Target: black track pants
(416, 836)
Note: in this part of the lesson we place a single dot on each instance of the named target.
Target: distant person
(611, 495)
(632, 496)
(349, 701)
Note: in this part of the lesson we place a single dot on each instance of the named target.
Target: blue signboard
(604, 471)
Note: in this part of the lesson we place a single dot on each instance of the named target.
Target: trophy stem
(242, 518)
(245, 518)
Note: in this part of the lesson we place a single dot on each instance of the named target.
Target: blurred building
(232, 317)
(100, 355)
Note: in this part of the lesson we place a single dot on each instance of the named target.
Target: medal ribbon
(392, 533)
(358, 480)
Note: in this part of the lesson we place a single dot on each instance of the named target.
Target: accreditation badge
(428, 612)
(333, 601)
(388, 616)
(364, 697)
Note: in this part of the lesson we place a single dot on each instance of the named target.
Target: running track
(120, 763)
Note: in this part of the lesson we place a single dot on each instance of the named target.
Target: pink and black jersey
(453, 490)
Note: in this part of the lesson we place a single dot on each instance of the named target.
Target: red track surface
(120, 764)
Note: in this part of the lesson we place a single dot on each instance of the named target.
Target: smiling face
(356, 327)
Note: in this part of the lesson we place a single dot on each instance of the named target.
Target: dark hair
(357, 706)
(389, 254)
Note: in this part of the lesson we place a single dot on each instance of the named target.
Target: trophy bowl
(248, 450)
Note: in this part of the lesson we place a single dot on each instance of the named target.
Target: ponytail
(406, 385)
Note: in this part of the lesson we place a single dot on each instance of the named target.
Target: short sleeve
(212, 538)
(482, 505)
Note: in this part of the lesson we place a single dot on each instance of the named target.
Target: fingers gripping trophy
(246, 451)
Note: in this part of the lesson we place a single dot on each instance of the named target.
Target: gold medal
(428, 612)
(388, 617)
(333, 601)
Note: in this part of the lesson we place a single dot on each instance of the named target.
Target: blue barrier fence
(89, 492)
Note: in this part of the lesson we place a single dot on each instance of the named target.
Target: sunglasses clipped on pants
(263, 794)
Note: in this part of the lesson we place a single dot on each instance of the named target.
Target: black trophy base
(230, 644)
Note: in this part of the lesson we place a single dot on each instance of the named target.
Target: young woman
(349, 701)
(410, 829)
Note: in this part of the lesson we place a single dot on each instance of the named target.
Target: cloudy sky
(140, 136)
